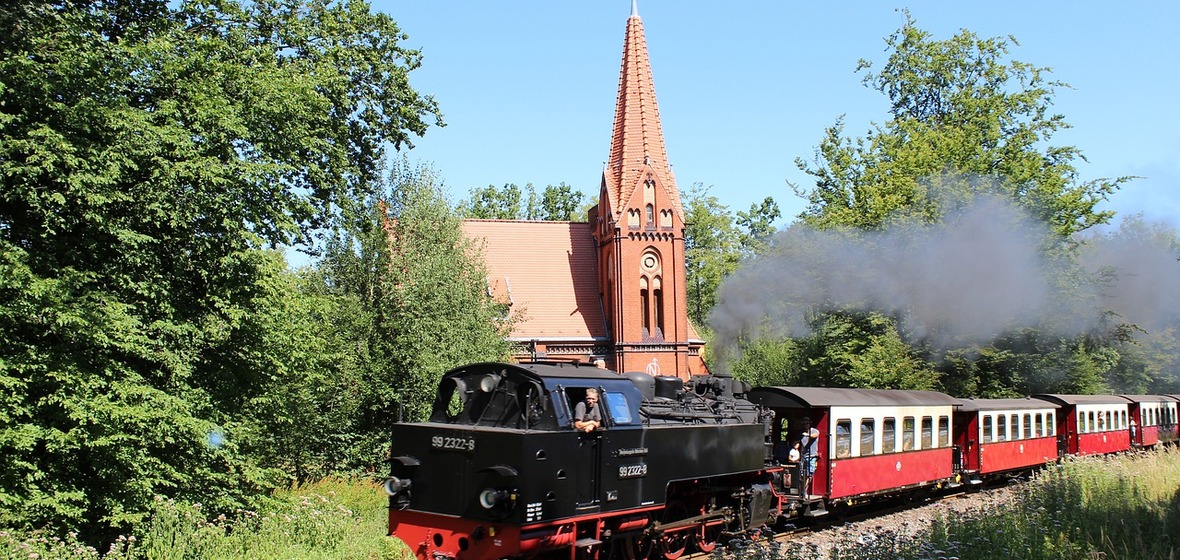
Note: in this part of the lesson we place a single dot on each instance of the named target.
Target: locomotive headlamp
(489, 383)
(395, 486)
(495, 498)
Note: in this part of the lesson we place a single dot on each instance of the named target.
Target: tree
(149, 151)
(758, 226)
(510, 202)
(431, 305)
(491, 203)
(560, 203)
(967, 125)
(962, 119)
(712, 250)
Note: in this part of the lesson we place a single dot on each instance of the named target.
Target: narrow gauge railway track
(962, 497)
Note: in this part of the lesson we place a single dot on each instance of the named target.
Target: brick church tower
(638, 229)
(612, 288)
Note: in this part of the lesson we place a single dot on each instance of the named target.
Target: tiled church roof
(548, 270)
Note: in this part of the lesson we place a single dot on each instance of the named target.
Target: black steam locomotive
(499, 471)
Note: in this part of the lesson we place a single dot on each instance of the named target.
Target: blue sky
(527, 88)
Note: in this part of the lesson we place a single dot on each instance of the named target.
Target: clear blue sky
(527, 87)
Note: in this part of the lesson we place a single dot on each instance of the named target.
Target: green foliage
(715, 242)
(710, 250)
(326, 520)
(510, 202)
(843, 350)
(420, 286)
(149, 152)
(958, 108)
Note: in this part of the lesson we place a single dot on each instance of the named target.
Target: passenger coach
(1005, 436)
(1153, 419)
(872, 442)
(1091, 424)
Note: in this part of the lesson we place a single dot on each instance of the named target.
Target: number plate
(453, 443)
(633, 471)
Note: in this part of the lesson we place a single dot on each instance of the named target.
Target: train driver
(587, 415)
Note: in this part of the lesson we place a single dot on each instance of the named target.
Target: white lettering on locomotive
(633, 471)
(453, 443)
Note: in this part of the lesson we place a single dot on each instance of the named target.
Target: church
(610, 290)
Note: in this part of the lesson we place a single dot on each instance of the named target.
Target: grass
(1123, 507)
(328, 520)
(1089, 508)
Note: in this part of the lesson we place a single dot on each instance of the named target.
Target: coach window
(889, 435)
(1014, 426)
(1039, 425)
(927, 432)
(1050, 425)
(1091, 422)
(1028, 426)
(1081, 422)
(1002, 428)
(867, 437)
(944, 431)
(907, 433)
(987, 428)
(843, 438)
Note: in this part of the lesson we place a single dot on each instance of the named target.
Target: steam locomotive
(498, 471)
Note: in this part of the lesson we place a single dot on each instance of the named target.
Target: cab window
(620, 413)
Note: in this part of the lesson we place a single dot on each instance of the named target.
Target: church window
(650, 213)
(646, 305)
(658, 295)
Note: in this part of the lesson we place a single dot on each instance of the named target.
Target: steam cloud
(965, 282)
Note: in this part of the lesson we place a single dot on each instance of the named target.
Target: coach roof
(819, 397)
(1082, 399)
(971, 405)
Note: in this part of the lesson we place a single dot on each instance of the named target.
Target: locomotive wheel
(708, 537)
(636, 548)
(673, 545)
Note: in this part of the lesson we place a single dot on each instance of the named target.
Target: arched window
(658, 292)
(650, 213)
(646, 305)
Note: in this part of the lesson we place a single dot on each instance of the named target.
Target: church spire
(637, 141)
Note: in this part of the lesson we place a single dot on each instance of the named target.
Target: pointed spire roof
(637, 141)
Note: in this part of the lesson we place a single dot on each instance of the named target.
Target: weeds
(1083, 508)
(330, 519)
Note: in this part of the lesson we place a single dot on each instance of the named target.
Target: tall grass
(328, 520)
(1122, 507)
